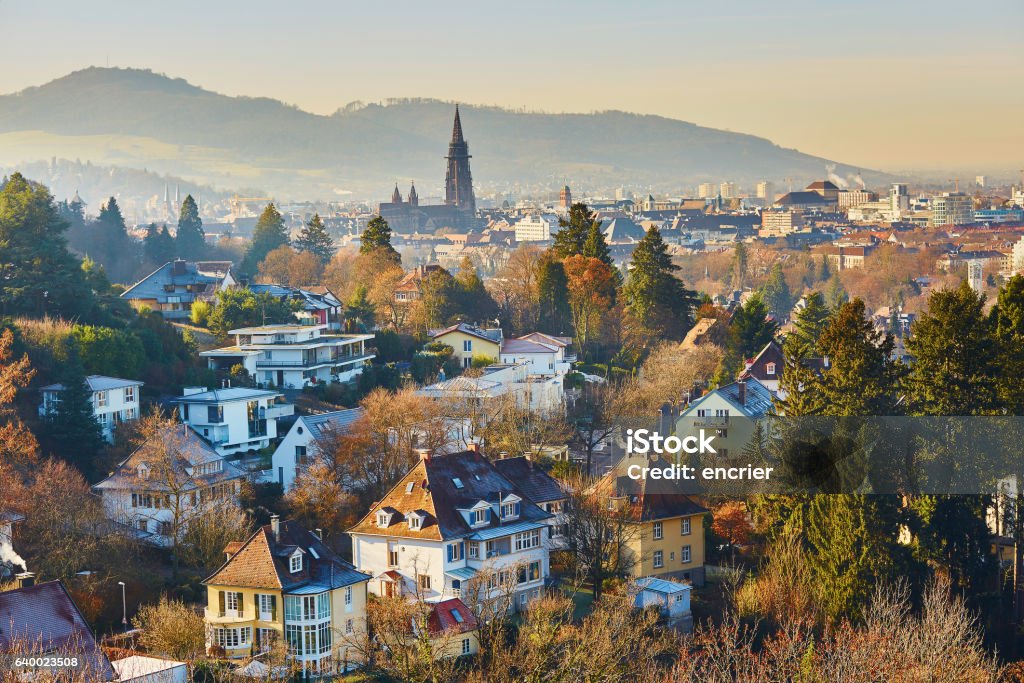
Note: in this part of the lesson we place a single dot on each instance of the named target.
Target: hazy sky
(893, 84)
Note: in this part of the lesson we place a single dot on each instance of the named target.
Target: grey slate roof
(226, 395)
(45, 618)
(758, 398)
(337, 420)
(206, 276)
(532, 480)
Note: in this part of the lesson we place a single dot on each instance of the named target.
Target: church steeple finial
(457, 128)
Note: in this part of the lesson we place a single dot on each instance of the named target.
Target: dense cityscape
(756, 419)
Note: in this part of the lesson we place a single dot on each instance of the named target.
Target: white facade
(538, 393)
(294, 356)
(542, 359)
(114, 401)
(536, 228)
(233, 420)
(299, 445)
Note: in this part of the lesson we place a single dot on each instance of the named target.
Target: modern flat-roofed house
(172, 288)
(299, 445)
(42, 620)
(233, 419)
(450, 520)
(282, 584)
(546, 355)
(515, 383)
(293, 356)
(114, 401)
(166, 483)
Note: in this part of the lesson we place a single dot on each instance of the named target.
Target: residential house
(114, 401)
(454, 519)
(846, 256)
(410, 287)
(541, 489)
(665, 537)
(732, 411)
(454, 629)
(470, 341)
(42, 619)
(299, 445)
(497, 382)
(317, 305)
(172, 288)
(233, 419)
(10, 562)
(282, 584)
(293, 356)
(166, 483)
(766, 367)
(545, 355)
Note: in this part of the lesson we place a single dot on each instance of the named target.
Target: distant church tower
(414, 198)
(565, 198)
(396, 196)
(458, 185)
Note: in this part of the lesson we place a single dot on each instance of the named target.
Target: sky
(887, 84)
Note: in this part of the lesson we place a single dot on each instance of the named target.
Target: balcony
(278, 411)
(307, 363)
(214, 616)
(710, 422)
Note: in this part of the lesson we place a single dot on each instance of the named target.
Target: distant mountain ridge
(137, 118)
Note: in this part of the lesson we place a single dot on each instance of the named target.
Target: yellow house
(667, 535)
(470, 341)
(283, 585)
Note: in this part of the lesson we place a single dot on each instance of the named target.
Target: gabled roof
(263, 562)
(536, 484)
(45, 618)
(652, 583)
(547, 339)
(98, 383)
(442, 618)
(206, 275)
(798, 198)
(648, 499)
(493, 336)
(756, 398)
(623, 230)
(190, 449)
(822, 185)
(434, 491)
(525, 346)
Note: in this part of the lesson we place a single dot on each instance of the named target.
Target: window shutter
(220, 598)
(273, 607)
(256, 602)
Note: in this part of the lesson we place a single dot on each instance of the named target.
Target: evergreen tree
(359, 311)
(776, 293)
(810, 322)
(95, 276)
(269, 234)
(749, 331)
(553, 297)
(595, 245)
(315, 240)
(378, 236)
(738, 269)
(158, 246)
(955, 365)
(1008, 323)
(471, 297)
(573, 232)
(39, 275)
(111, 245)
(72, 429)
(861, 374)
(654, 296)
(951, 530)
(851, 543)
(73, 213)
(835, 293)
(190, 240)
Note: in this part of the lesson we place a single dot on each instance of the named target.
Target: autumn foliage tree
(731, 523)
(591, 289)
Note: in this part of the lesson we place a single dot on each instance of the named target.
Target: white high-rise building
(727, 190)
(537, 228)
(952, 208)
(899, 200)
(766, 191)
(707, 191)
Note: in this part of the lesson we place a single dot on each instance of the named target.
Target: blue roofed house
(114, 401)
(171, 289)
(299, 445)
(672, 600)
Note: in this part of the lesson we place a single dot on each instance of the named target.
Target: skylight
(458, 483)
(409, 486)
(457, 616)
(312, 551)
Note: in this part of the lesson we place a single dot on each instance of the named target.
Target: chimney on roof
(741, 388)
(275, 526)
(319, 533)
(25, 579)
(474, 445)
(423, 453)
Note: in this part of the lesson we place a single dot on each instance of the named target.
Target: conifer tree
(954, 370)
(472, 298)
(269, 234)
(111, 245)
(776, 293)
(315, 240)
(73, 431)
(158, 246)
(573, 232)
(749, 331)
(553, 297)
(1008, 323)
(190, 240)
(810, 322)
(378, 236)
(654, 296)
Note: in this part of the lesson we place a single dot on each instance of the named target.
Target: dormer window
(383, 519)
(510, 510)
(770, 369)
(295, 562)
(480, 517)
(415, 521)
(458, 483)
(143, 472)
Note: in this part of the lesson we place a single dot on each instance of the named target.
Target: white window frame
(295, 562)
(684, 527)
(769, 369)
(659, 559)
(686, 555)
(658, 531)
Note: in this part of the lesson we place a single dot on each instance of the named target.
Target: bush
(200, 314)
(480, 362)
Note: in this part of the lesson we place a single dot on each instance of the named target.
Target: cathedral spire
(396, 196)
(414, 198)
(457, 128)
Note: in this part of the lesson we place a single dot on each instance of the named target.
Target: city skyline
(895, 88)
